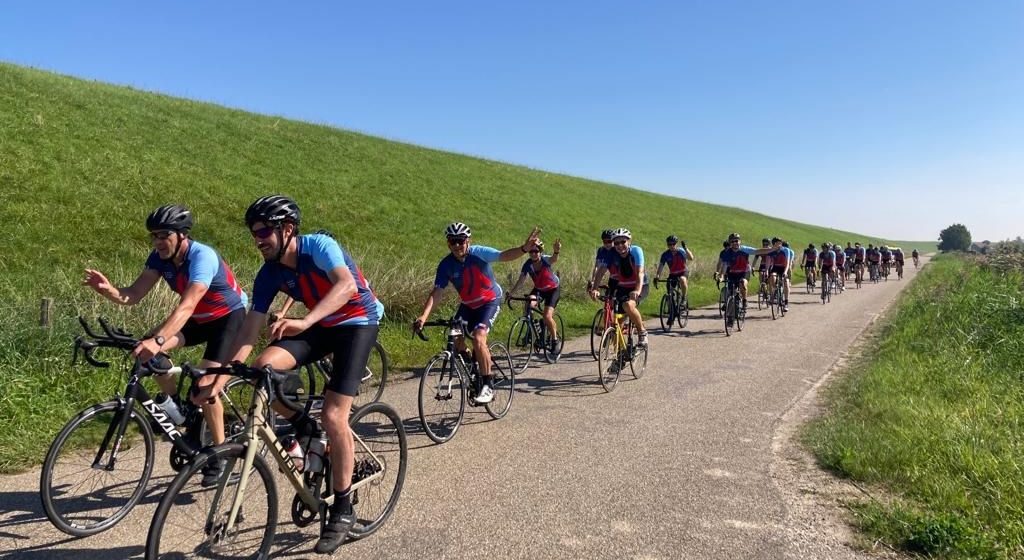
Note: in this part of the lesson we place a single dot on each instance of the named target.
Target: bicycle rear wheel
(83, 490)
(191, 521)
(504, 381)
(774, 304)
(730, 314)
(609, 360)
(442, 399)
(384, 449)
(375, 378)
(520, 344)
(552, 345)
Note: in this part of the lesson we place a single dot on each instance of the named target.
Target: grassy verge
(933, 417)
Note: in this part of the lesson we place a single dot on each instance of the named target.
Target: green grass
(934, 415)
(82, 163)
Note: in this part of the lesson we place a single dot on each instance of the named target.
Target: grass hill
(82, 163)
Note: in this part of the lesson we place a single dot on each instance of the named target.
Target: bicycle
(917, 263)
(722, 297)
(826, 288)
(809, 273)
(85, 493)
(448, 380)
(238, 517)
(858, 274)
(763, 297)
(777, 302)
(674, 305)
(885, 271)
(529, 334)
(619, 344)
(735, 312)
(873, 272)
(598, 325)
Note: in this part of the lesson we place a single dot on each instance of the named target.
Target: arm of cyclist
(428, 306)
(342, 290)
(641, 279)
(518, 283)
(514, 253)
(174, 323)
(129, 295)
(556, 248)
(596, 280)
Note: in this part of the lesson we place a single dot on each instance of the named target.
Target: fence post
(46, 313)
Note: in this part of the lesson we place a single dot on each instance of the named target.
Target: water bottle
(291, 445)
(315, 459)
(170, 408)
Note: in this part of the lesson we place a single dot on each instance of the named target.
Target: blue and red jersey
(472, 278)
(676, 261)
(309, 282)
(626, 270)
(811, 255)
(604, 256)
(840, 258)
(544, 279)
(860, 254)
(202, 265)
(874, 255)
(828, 258)
(737, 262)
(781, 257)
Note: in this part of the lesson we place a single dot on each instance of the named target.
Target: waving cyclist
(546, 284)
(677, 259)
(627, 273)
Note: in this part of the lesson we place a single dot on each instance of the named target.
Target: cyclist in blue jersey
(342, 321)
(468, 269)
(546, 285)
(734, 264)
(626, 270)
(765, 261)
(678, 261)
(860, 256)
(210, 311)
(826, 262)
(810, 262)
(840, 269)
(604, 252)
(781, 259)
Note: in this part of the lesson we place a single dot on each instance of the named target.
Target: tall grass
(934, 414)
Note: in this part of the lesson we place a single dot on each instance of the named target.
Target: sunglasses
(161, 235)
(620, 242)
(262, 233)
(457, 240)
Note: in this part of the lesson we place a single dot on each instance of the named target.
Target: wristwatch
(159, 340)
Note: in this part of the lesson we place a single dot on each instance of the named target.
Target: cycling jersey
(544, 279)
(676, 261)
(811, 255)
(898, 256)
(309, 282)
(860, 254)
(604, 256)
(626, 270)
(828, 258)
(202, 265)
(781, 257)
(886, 256)
(840, 258)
(850, 252)
(738, 261)
(874, 256)
(914, 254)
(473, 278)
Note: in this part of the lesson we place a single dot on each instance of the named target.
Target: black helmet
(734, 237)
(606, 235)
(173, 217)
(672, 239)
(273, 210)
(775, 240)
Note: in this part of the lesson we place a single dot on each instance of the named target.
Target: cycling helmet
(458, 229)
(734, 237)
(273, 210)
(672, 239)
(766, 241)
(606, 235)
(785, 244)
(622, 232)
(539, 245)
(173, 217)
(810, 246)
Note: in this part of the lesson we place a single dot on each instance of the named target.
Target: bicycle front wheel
(597, 328)
(442, 399)
(382, 452)
(665, 313)
(504, 381)
(86, 487)
(683, 316)
(609, 360)
(637, 354)
(191, 521)
(520, 344)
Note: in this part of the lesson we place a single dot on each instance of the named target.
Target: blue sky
(895, 118)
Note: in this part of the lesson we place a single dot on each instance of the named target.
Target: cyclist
(886, 259)
(546, 285)
(604, 252)
(897, 257)
(859, 256)
(210, 310)
(917, 258)
(765, 261)
(874, 258)
(827, 262)
(734, 264)
(342, 321)
(840, 270)
(468, 269)
(677, 259)
(781, 259)
(626, 269)
(851, 254)
(810, 262)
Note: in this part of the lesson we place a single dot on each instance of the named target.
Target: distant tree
(954, 238)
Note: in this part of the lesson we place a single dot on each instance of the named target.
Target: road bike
(529, 335)
(826, 287)
(450, 379)
(764, 298)
(598, 325)
(674, 306)
(619, 346)
(237, 518)
(809, 272)
(735, 311)
(777, 300)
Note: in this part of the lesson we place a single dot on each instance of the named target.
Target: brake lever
(92, 360)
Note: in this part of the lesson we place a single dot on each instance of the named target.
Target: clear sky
(894, 118)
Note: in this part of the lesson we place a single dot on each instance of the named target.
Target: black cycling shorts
(621, 293)
(482, 316)
(738, 277)
(349, 344)
(779, 270)
(549, 297)
(218, 335)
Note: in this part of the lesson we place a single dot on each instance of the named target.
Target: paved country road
(690, 461)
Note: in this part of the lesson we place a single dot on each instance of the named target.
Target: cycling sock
(342, 501)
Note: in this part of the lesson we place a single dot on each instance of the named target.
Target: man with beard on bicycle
(546, 285)
(342, 320)
(210, 310)
(734, 264)
(626, 269)
(677, 259)
(468, 268)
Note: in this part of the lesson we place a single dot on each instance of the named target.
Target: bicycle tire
(637, 355)
(386, 439)
(722, 296)
(609, 361)
(597, 328)
(683, 317)
(504, 381)
(441, 383)
(762, 297)
(520, 344)
(189, 506)
(665, 313)
(550, 355)
(774, 304)
(780, 293)
(741, 314)
(63, 514)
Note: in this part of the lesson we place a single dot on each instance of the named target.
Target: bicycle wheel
(683, 316)
(609, 360)
(774, 303)
(730, 314)
(381, 446)
(520, 344)
(665, 313)
(552, 345)
(762, 297)
(597, 328)
(371, 388)
(780, 293)
(637, 355)
(191, 521)
(504, 381)
(741, 313)
(83, 490)
(442, 399)
(721, 303)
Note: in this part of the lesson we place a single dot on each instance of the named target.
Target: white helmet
(622, 232)
(457, 229)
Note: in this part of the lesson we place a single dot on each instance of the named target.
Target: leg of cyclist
(630, 307)
(550, 302)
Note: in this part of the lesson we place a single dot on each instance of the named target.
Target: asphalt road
(678, 464)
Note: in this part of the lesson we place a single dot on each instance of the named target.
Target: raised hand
(96, 280)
